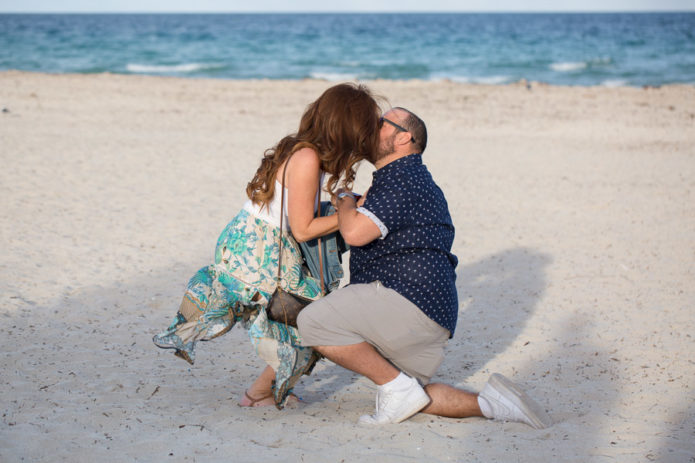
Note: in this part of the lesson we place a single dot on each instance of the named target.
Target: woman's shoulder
(302, 162)
(306, 153)
(305, 158)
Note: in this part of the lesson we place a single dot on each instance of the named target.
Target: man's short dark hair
(417, 129)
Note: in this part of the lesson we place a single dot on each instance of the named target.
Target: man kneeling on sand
(392, 322)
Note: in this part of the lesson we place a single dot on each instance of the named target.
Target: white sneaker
(396, 406)
(509, 403)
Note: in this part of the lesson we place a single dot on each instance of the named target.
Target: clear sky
(340, 6)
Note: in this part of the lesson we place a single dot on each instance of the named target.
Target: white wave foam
(568, 66)
(614, 83)
(332, 76)
(156, 69)
(491, 80)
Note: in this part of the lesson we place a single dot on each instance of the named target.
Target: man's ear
(403, 138)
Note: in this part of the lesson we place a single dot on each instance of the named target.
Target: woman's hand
(343, 193)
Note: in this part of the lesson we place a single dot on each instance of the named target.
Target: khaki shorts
(396, 327)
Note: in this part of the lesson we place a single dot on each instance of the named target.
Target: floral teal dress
(237, 288)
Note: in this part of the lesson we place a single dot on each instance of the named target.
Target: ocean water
(568, 49)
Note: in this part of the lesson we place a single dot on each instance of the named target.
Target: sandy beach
(574, 210)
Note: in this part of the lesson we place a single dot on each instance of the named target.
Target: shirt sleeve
(382, 228)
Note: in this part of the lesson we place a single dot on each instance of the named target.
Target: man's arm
(357, 229)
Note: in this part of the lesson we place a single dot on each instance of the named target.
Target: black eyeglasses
(399, 127)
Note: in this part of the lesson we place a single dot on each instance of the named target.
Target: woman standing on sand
(337, 131)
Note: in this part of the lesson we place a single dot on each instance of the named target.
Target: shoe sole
(533, 411)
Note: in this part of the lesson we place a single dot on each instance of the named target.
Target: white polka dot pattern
(414, 258)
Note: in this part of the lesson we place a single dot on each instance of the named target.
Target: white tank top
(271, 214)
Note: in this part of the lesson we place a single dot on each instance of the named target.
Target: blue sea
(618, 49)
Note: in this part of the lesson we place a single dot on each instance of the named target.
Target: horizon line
(358, 12)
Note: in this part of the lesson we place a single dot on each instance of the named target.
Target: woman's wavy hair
(342, 126)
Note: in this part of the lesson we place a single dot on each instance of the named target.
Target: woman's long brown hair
(342, 126)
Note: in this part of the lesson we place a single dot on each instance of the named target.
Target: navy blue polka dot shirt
(413, 256)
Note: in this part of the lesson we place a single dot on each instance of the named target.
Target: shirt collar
(414, 159)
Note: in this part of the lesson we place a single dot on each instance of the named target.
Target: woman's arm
(302, 181)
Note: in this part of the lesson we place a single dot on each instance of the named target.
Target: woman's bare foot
(250, 401)
(260, 394)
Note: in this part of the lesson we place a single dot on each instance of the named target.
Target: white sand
(575, 216)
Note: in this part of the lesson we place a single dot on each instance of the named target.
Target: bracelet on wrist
(345, 194)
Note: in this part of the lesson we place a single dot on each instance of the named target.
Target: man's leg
(398, 396)
(501, 398)
(370, 309)
(451, 402)
(361, 358)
